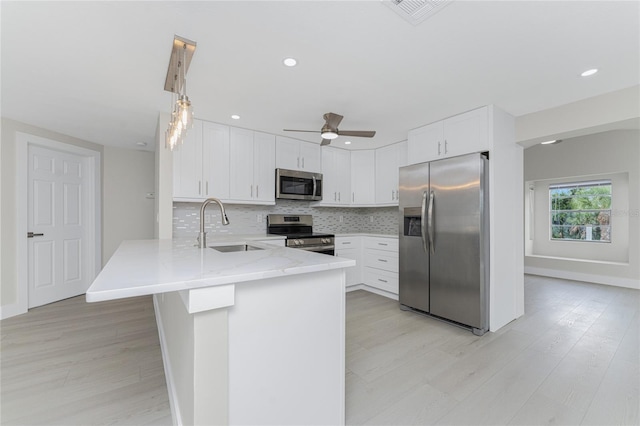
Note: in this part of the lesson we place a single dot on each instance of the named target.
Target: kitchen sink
(235, 248)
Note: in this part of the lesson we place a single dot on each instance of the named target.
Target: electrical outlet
(371, 219)
(341, 218)
(259, 218)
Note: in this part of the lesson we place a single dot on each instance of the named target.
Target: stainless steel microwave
(297, 185)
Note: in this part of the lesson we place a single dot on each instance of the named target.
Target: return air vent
(416, 11)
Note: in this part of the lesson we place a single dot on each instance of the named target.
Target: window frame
(574, 185)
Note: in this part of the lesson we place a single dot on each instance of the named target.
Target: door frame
(93, 203)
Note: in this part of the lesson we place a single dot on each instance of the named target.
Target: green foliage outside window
(581, 211)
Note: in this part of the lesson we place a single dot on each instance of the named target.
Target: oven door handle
(314, 248)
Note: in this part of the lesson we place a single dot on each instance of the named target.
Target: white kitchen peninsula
(248, 337)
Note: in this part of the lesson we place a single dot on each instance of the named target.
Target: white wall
(127, 212)
(611, 154)
(118, 169)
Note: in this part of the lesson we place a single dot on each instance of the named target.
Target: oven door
(330, 250)
(297, 185)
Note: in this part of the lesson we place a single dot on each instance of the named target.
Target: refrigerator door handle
(423, 228)
(430, 222)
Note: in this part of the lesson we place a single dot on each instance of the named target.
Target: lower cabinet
(380, 266)
(351, 248)
(376, 262)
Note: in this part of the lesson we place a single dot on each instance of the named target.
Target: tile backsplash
(248, 219)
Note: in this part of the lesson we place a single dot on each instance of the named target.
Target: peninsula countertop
(143, 267)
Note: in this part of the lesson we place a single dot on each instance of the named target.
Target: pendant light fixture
(176, 83)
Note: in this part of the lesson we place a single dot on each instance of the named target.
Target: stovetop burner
(299, 232)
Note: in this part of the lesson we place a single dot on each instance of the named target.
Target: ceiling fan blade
(307, 131)
(359, 133)
(325, 142)
(333, 120)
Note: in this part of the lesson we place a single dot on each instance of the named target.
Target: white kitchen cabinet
(461, 134)
(388, 160)
(363, 176)
(201, 163)
(380, 263)
(294, 154)
(336, 177)
(252, 165)
(351, 248)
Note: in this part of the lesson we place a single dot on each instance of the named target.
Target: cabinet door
(187, 165)
(287, 153)
(425, 143)
(264, 166)
(330, 176)
(362, 176)
(310, 157)
(215, 160)
(241, 164)
(387, 174)
(466, 133)
(342, 169)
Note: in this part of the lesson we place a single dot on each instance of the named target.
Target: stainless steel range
(299, 232)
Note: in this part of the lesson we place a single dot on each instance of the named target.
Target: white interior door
(58, 251)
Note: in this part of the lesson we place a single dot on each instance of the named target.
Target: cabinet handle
(382, 260)
(199, 187)
(207, 187)
(383, 244)
(257, 191)
(382, 281)
(445, 146)
(393, 195)
(438, 147)
(353, 197)
(346, 242)
(335, 196)
(298, 162)
(251, 191)
(303, 162)
(338, 196)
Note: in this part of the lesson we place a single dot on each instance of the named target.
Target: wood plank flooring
(572, 359)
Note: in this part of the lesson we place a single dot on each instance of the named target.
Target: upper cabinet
(363, 175)
(336, 177)
(462, 134)
(201, 163)
(252, 165)
(294, 154)
(388, 160)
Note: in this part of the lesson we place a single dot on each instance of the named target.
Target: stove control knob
(325, 241)
(296, 242)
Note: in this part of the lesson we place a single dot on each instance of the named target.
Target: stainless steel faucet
(202, 237)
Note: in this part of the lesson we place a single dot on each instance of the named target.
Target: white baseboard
(577, 276)
(372, 290)
(166, 362)
(12, 310)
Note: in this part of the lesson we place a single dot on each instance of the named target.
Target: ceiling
(96, 70)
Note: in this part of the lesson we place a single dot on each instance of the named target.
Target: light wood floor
(572, 359)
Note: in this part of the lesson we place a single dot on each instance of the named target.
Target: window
(581, 211)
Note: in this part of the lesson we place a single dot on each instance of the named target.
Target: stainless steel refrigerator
(444, 239)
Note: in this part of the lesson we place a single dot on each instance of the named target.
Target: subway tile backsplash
(247, 219)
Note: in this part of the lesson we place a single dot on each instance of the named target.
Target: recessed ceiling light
(290, 62)
(235, 117)
(141, 143)
(587, 73)
(347, 142)
(551, 142)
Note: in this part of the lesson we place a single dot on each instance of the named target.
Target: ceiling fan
(330, 129)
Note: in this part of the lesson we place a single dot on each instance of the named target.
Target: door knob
(31, 235)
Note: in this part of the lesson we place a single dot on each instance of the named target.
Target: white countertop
(142, 267)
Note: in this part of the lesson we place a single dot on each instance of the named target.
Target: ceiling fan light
(329, 135)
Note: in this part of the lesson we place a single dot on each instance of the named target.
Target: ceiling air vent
(416, 11)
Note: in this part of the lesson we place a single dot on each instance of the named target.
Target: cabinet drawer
(383, 280)
(379, 259)
(347, 242)
(379, 243)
